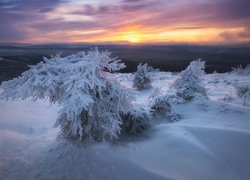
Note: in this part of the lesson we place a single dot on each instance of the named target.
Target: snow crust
(211, 141)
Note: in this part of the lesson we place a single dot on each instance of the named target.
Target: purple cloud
(24, 5)
(23, 19)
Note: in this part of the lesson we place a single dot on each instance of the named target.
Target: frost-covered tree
(161, 107)
(94, 105)
(243, 91)
(189, 85)
(241, 71)
(135, 121)
(143, 76)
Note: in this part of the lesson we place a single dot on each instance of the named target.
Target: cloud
(23, 19)
(132, 1)
(17, 16)
(31, 5)
(235, 35)
(136, 7)
(10, 31)
(90, 10)
(224, 13)
(45, 9)
(187, 27)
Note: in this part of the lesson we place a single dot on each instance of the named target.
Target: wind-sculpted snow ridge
(93, 105)
(189, 85)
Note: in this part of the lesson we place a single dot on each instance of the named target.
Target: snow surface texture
(211, 141)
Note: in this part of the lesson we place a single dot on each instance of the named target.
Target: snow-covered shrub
(143, 77)
(243, 91)
(135, 121)
(227, 98)
(189, 85)
(240, 70)
(93, 104)
(162, 107)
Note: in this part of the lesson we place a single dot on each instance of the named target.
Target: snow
(211, 141)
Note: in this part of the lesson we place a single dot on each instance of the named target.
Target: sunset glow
(138, 21)
(133, 39)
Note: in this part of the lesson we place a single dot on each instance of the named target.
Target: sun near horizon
(133, 39)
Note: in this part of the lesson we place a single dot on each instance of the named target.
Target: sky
(129, 21)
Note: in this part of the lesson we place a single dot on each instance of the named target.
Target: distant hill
(15, 58)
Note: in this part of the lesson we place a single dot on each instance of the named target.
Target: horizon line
(125, 43)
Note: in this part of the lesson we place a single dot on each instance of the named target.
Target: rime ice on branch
(93, 104)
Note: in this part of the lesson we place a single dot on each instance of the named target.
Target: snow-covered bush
(227, 98)
(135, 121)
(189, 85)
(162, 107)
(243, 91)
(143, 77)
(93, 103)
(240, 70)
